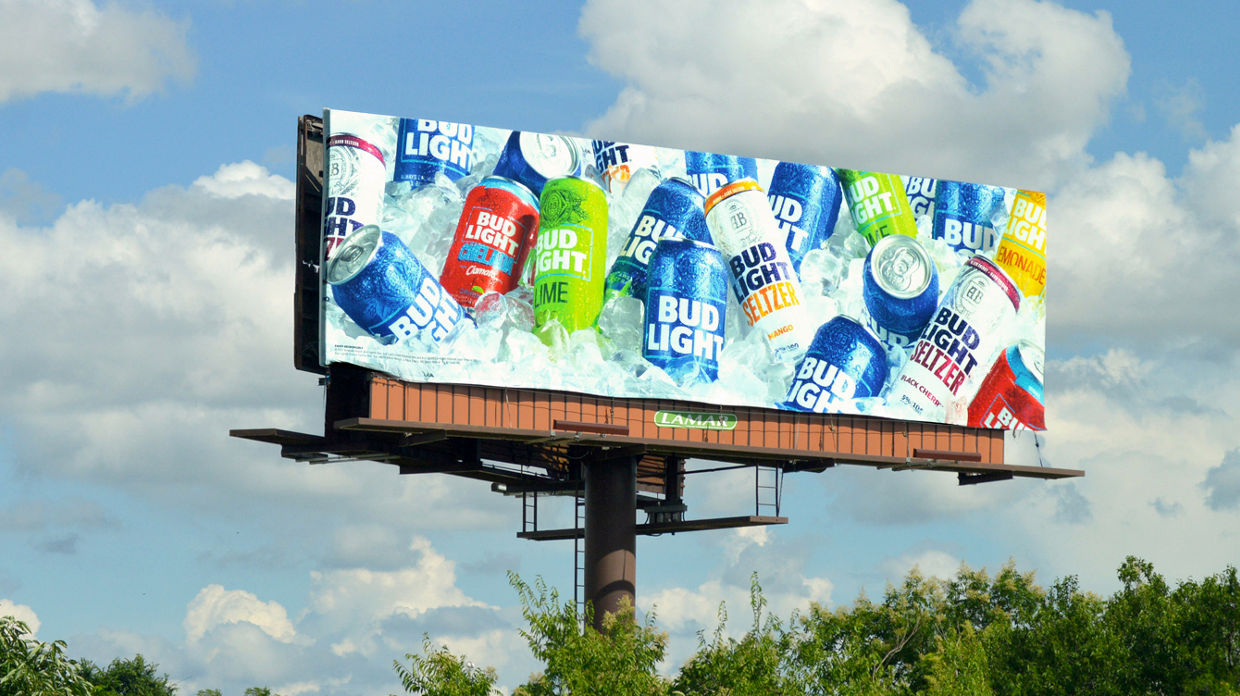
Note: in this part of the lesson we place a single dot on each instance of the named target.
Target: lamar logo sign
(695, 420)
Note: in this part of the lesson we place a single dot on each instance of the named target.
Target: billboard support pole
(610, 534)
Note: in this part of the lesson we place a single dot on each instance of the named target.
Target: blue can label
(426, 145)
(682, 327)
(789, 212)
(920, 192)
(818, 384)
(963, 213)
(432, 310)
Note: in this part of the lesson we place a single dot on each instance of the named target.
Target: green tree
(132, 677)
(209, 692)
(29, 667)
(752, 666)
(437, 672)
(620, 660)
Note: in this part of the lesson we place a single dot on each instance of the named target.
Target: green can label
(695, 420)
(571, 253)
(878, 204)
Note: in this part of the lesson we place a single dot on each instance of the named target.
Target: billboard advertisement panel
(463, 254)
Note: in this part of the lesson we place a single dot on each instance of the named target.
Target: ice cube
(622, 321)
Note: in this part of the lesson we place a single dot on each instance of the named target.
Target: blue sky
(146, 217)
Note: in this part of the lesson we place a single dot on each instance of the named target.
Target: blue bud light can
(710, 171)
(900, 287)
(963, 214)
(387, 291)
(673, 211)
(533, 158)
(920, 192)
(844, 361)
(425, 147)
(686, 300)
(806, 201)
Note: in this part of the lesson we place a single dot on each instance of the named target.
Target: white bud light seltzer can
(763, 279)
(617, 162)
(958, 344)
(356, 176)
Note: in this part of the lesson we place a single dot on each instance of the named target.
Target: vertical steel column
(611, 534)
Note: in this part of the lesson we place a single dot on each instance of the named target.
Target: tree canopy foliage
(971, 635)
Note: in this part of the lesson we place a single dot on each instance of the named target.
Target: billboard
(462, 254)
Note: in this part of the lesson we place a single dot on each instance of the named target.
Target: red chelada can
(496, 231)
(1010, 397)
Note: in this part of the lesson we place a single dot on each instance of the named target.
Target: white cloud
(75, 46)
(22, 613)
(246, 179)
(353, 602)
(1222, 483)
(858, 84)
(215, 606)
(23, 198)
(931, 563)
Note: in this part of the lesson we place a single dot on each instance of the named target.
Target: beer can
(806, 201)
(387, 291)
(1022, 249)
(494, 234)
(1010, 397)
(844, 361)
(769, 292)
(533, 158)
(964, 332)
(686, 304)
(673, 210)
(570, 256)
(920, 191)
(710, 171)
(900, 287)
(877, 204)
(425, 147)
(356, 176)
(617, 162)
(962, 216)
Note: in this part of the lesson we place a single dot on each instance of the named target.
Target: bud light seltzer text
(961, 340)
(1010, 397)
(710, 171)
(963, 213)
(571, 254)
(673, 210)
(920, 192)
(532, 158)
(900, 287)
(424, 148)
(616, 162)
(1022, 250)
(355, 183)
(495, 232)
(767, 288)
(686, 298)
(844, 361)
(877, 204)
(806, 201)
(383, 288)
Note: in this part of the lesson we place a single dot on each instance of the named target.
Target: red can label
(1003, 404)
(495, 233)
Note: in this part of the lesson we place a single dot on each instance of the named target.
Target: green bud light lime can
(878, 204)
(570, 257)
